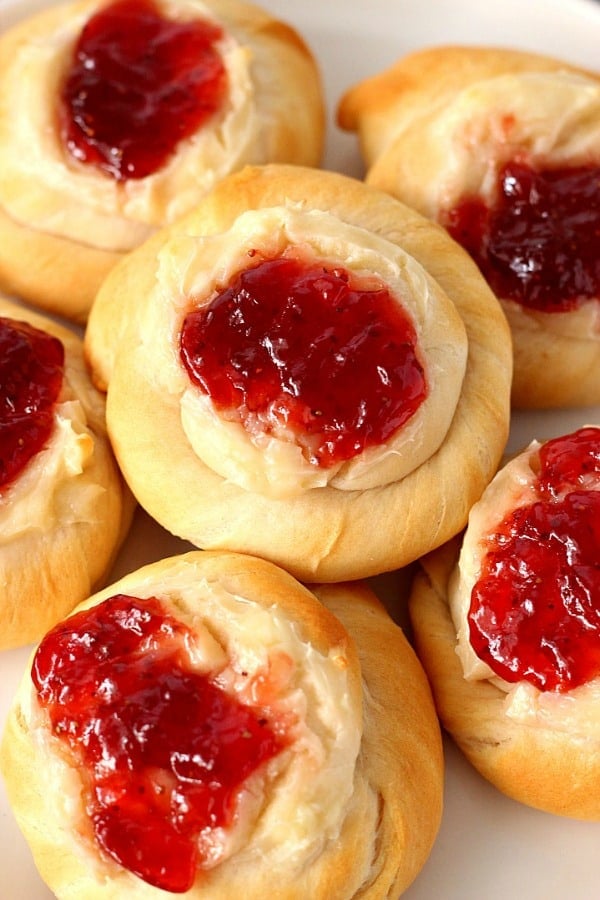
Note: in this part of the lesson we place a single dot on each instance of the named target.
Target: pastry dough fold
(63, 519)
(205, 478)
(540, 747)
(438, 126)
(352, 806)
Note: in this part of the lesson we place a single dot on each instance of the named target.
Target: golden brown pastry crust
(422, 83)
(392, 813)
(324, 534)
(407, 136)
(408, 824)
(63, 228)
(54, 281)
(544, 768)
(76, 517)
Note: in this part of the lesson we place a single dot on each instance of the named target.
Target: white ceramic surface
(489, 847)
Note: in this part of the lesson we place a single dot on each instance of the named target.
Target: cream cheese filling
(191, 271)
(49, 491)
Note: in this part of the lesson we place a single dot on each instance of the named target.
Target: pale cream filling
(288, 813)
(576, 711)
(42, 187)
(50, 490)
(190, 272)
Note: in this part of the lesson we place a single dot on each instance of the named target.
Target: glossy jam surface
(310, 348)
(569, 461)
(539, 244)
(138, 85)
(162, 749)
(31, 377)
(535, 611)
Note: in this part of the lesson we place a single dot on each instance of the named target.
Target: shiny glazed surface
(540, 242)
(163, 750)
(138, 85)
(535, 610)
(309, 348)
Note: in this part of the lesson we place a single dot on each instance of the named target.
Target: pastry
(506, 624)
(503, 148)
(64, 508)
(230, 735)
(305, 370)
(116, 117)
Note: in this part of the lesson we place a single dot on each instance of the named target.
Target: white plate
(489, 847)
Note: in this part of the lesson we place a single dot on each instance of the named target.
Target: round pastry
(207, 727)
(503, 148)
(305, 370)
(116, 116)
(64, 508)
(507, 628)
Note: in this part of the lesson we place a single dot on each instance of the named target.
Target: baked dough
(439, 124)
(356, 801)
(392, 503)
(64, 224)
(539, 747)
(62, 520)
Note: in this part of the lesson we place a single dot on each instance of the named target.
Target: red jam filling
(535, 610)
(137, 86)
(310, 348)
(31, 376)
(539, 244)
(164, 750)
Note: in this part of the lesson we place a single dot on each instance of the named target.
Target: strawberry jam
(570, 460)
(138, 85)
(535, 611)
(539, 244)
(31, 377)
(162, 749)
(310, 348)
